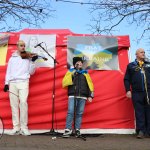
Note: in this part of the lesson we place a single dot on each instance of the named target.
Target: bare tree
(114, 12)
(17, 13)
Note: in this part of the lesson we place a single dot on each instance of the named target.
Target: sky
(76, 17)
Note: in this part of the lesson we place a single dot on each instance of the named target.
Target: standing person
(138, 77)
(80, 88)
(17, 82)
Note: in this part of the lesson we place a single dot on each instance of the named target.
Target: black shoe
(67, 133)
(140, 135)
(77, 133)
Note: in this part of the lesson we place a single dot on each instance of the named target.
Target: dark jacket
(134, 77)
(79, 83)
(79, 87)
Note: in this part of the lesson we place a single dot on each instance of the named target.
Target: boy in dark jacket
(80, 88)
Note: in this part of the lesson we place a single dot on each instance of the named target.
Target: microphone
(77, 66)
(38, 45)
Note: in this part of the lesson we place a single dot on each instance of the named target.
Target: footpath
(48, 142)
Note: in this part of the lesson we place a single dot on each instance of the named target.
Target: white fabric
(21, 89)
(86, 131)
(19, 69)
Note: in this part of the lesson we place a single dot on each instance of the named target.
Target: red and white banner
(110, 109)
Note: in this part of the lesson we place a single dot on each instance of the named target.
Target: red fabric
(110, 108)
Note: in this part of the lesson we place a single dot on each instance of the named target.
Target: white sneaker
(25, 132)
(67, 133)
(14, 132)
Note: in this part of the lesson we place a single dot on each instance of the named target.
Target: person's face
(21, 47)
(78, 64)
(140, 54)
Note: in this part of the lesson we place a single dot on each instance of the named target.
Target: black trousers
(142, 112)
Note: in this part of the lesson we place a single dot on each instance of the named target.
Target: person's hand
(128, 94)
(34, 58)
(6, 88)
(90, 99)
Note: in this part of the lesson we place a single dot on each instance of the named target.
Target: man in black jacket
(138, 77)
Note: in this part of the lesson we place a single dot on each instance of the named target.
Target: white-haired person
(137, 85)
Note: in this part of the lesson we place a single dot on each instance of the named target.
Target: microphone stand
(75, 94)
(75, 103)
(52, 131)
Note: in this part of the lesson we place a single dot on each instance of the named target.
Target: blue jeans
(80, 103)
